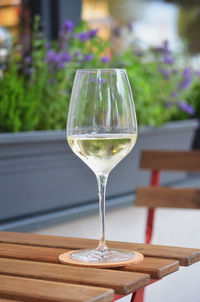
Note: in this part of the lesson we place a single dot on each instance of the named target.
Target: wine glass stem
(102, 180)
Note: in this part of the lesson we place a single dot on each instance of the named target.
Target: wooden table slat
(31, 253)
(30, 271)
(8, 300)
(122, 282)
(43, 291)
(186, 256)
(155, 267)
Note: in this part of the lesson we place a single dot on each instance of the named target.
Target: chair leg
(117, 297)
(155, 182)
(149, 226)
(138, 296)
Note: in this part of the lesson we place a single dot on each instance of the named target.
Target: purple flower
(186, 73)
(55, 58)
(175, 94)
(66, 29)
(186, 79)
(130, 26)
(186, 107)
(92, 33)
(50, 55)
(168, 59)
(185, 84)
(68, 26)
(101, 80)
(105, 59)
(88, 57)
(28, 60)
(65, 57)
(63, 45)
(84, 36)
(60, 65)
(116, 31)
(166, 46)
(197, 73)
(48, 45)
(77, 54)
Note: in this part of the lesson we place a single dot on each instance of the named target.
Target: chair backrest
(155, 196)
(170, 160)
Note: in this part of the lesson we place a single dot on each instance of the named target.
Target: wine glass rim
(100, 69)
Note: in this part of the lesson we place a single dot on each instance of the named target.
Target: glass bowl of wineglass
(101, 131)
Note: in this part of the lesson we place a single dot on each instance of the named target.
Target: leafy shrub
(161, 88)
(35, 90)
(194, 98)
(17, 106)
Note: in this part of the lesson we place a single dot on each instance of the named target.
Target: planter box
(40, 175)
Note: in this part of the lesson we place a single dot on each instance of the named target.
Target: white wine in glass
(101, 130)
(102, 152)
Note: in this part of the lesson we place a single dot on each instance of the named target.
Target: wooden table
(29, 269)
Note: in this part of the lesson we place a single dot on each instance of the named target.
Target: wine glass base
(97, 258)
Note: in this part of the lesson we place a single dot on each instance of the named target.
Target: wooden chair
(155, 196)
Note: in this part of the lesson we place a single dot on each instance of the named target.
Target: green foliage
(193, 98)
(17, 107)
(149, 90)
(35, 91)
(153, 84)
(34, 94)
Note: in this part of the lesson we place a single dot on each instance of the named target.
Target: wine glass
(101, 130)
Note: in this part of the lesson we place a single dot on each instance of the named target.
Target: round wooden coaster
(66, 259)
